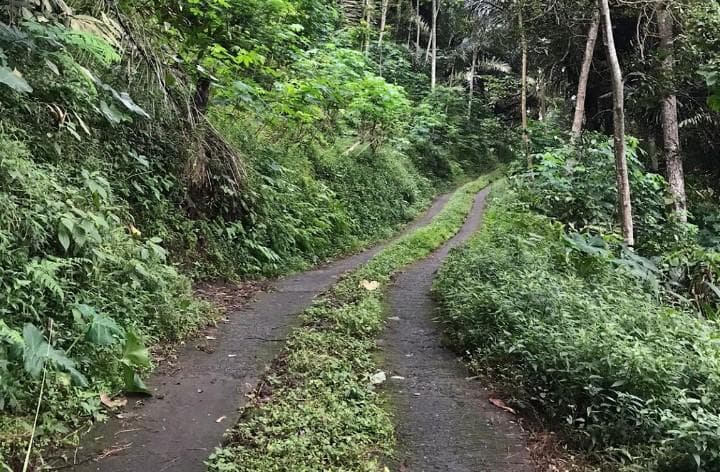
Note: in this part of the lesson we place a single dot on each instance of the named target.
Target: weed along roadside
(576, 337)
(318, 407)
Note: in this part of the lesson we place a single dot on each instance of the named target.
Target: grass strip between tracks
(318, 408)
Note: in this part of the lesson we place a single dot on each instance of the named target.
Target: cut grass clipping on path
(318, 408)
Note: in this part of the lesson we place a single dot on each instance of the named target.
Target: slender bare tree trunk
(542, 99)
(398, 13)
(433, 61)
(584, 74)
(368, 20)
(471, 82)
(523, 92)
(653, 153)
(671, 130)
(417, 31)
(427, 49)
(383, 20)
(621, 170)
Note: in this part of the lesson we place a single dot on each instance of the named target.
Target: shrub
(592, 350)
(576, 185)
(80, 290)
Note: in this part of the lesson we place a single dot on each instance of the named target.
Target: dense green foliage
(574, 185)
(317, 408)
(146, 144)
(602, 342)
(70, 268)
(585, 343)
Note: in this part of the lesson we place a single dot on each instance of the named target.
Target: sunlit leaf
(14, 80)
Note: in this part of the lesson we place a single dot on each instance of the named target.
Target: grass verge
(317, 408)
(584, 344)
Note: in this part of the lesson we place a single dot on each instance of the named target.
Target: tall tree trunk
(523, 91)
(403, 21)
(400, 20)
(653, 153)
(417, 30)
(584, 74)
(433, 59)
(671, 131)
(427, 49)
(383, 20)
(368, 21)
(471, 82)
(621, 170)
(542, 99)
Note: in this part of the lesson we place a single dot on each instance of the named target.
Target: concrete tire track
(177, 429)
(444, 422)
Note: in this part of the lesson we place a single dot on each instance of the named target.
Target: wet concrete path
(444, 422)
(178, 428)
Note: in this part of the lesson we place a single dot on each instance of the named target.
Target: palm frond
(712, 119)
(495, 65)
(419, 20)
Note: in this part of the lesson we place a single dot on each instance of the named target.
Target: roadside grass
(583, 344)
(318, 408)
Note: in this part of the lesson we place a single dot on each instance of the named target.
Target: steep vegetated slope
(146, 144)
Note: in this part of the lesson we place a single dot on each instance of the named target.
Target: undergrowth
(317, 408)
(147, 144)
(80, 294)
(585, 342)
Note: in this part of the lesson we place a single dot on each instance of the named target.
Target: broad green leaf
(135, 354)
(125, 99)
(37, 352)
(14, 80)
(64, 239)
(133, 382)
(112, 114)
(51, 65)
(103, 331)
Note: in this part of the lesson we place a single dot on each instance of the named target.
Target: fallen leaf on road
(220, 419)
(110, 403)
(501, 404)
(377, 378)
(369, 285)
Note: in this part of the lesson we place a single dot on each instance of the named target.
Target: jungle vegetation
(147, 145)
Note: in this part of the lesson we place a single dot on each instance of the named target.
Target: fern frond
(417, 19)
(43, 273)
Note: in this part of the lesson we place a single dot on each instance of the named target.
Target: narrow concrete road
(178, 428)
(444, 422)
